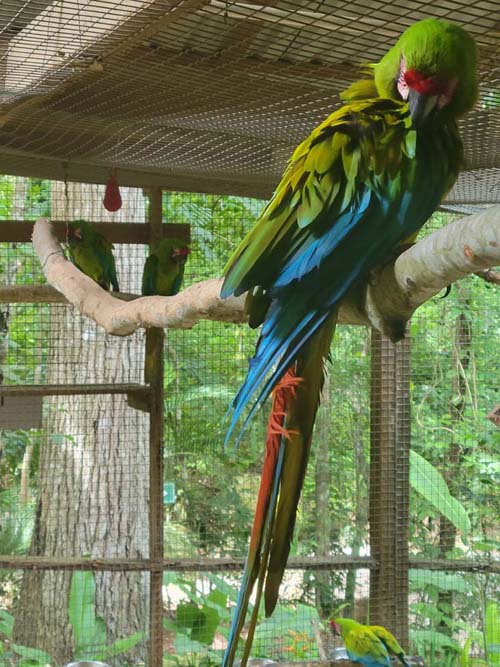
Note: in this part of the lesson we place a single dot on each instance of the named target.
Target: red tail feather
(285, 390)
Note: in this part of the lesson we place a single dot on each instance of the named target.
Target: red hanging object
(112, 198)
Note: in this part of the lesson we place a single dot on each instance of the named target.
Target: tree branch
(386, 301)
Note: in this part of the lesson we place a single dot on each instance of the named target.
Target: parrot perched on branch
(92, 253)
(164, 268)
(364, 181)
(370, 645)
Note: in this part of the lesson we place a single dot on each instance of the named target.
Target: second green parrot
(164, 268)
(92, 253)
(370, 645)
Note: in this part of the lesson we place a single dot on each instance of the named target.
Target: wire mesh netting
(207, 96)
(76, 485)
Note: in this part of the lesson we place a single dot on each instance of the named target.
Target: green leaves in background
(429, 483)
(492, 633)
(89, 630)
(445, 582)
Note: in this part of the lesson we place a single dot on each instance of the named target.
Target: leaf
(119, 646)
(446, 582)
(464, 655)
(6, 623)
(433, 638)
(33, 655)
(429, 482)
(492, 633)
(188, 615)
(88, 629)
(183, 645)
(204, 632)
(217, 598)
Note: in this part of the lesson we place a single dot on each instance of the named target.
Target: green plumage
(370, 645)
(164, 268)
(92, 253)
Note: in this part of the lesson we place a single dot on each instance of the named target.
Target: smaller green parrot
(370, 645)
(92, 253)
(164, 268)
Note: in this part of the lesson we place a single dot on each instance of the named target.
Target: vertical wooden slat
(154, 351)
(389, 483)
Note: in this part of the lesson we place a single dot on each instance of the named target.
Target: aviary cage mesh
(211, 97)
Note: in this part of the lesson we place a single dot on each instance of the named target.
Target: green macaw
(164, 268)
(92, 253)
(370, 645)
(365, 180)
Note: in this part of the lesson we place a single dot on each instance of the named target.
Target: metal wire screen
(207, 95)
(74, 483)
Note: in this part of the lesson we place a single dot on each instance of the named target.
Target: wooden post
(389, 484)
(154, 377)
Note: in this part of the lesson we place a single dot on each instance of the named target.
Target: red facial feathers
(427, 86)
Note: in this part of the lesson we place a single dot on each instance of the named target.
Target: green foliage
(428, 481)
(492, 633)
(89, 630)
(287, 634)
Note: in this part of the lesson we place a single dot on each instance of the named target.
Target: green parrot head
(78, 230)
(433, 67)
(173, 250)
(341, 626)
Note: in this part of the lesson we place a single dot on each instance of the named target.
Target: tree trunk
(462, 346)
(93, 471)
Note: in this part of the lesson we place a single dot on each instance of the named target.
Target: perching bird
(164, 268)
(92, 253)
(365, 180)
(370, 645)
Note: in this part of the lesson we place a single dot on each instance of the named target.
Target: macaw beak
(180, 255)
(420, 106)
(75, 233)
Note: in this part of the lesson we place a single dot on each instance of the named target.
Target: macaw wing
(353, 190)
(364, 645)
(387, 638)
(104, 254)
(325, 191)
(149, 276)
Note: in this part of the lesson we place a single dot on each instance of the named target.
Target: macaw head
(174, 250)
(77, 230)
(335, 627)
(341, 626)
(432, 67)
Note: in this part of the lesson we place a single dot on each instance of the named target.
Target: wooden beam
(20, 231)
(389, 484)
(72, 389)
(155, 341)
(45, 294)
(333, 563)
(175, 564)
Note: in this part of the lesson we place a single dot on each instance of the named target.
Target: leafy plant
(89, 630)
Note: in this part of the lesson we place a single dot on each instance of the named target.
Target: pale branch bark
(489, 276)
(385, 301)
